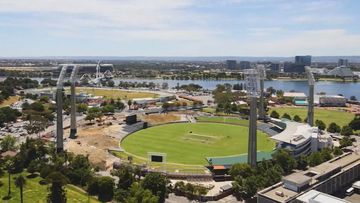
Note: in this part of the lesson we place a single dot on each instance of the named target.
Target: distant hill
(329, 59)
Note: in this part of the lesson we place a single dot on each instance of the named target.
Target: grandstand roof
(295, 133)
(341, 72)
(241, 158)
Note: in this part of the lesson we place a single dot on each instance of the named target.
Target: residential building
(343, 62)
(245, 65)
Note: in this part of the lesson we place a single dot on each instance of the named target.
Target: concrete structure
(314, 196)
(73, 103)
(262, 76)
(251, 76)
(343, 62)
(328, 177)
(59, 109)
(298, 98)
(231, 64)
(298, 138)
(311, 81)
(342, 72)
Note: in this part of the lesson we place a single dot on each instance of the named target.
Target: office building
(343, 62)
(303, 60)
(328, 177)
(231, 64)
(245, 65)
(274, 67)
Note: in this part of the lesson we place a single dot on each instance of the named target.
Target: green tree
(37, 106)
(355, 123)
(156, 183)
(333, 128)
(106, 188)
(245, 187)
(297, 118)
(82, 108)
(8, 143)
(337, 151)
(320, 124)
(140, 195)
(315, 159)
(326, 154)
(126, 176)
(347, 131)
(36, 125)
(241, 169)
(57, 193)
(20, 181)
(302, 163)
(345, 142)
(274, 114)
(286, 116)
(285, 160)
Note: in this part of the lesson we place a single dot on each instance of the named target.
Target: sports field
(34, 192)
(328, 116)
(221, 119)
(116, 93)
(190, 143)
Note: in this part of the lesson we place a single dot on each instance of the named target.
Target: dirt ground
(94, 140)
(161, 118)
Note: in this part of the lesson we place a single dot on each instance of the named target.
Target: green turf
(34, 192)
(223, 120)
(191, 143)
(339, 117)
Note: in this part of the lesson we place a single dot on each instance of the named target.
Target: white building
(314, 196)
(300, 138)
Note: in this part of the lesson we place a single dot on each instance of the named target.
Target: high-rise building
(275, 67)
(343, 62)
(293, 68)
(303, 60)
(231, 64)
(245, 65)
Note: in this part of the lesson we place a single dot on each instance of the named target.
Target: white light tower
(252, 88)
(262, 76)
(311, 82)
(59, 109)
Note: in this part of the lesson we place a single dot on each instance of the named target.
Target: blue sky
(179, 27)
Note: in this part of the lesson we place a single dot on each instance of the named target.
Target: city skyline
(179, 28)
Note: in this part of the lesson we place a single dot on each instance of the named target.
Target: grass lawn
(328, 116)
(9, 101)
(190, 143)
(209, 110)
(34, 192)
(116, 93)
(223, 120)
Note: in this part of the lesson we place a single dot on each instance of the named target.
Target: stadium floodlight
(311, 82)
(262, 76)
(252, 88)
(59, 108)
(73, 129)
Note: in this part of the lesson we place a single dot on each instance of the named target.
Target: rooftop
(294, 94)
(342, 162)
(295, 133)
(317, 196)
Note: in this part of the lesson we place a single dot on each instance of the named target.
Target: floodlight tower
(59, 109)
(73, 103)
(311, 82)
(251, 77)
(262, 76)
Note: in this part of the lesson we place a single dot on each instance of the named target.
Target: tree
(286, 116)
(320, 124)
(89, 117)
(353, 98)
(346, 130)
(82, 108)
(57, 193)
(106, 188)
(20, 181)
(326, 154)
(333, 128)
(79, 170)
(129, 102)
(108, 108)
(245, 187)
(9, 164)
(285, 160)
(243, 170)
(337, 151)
(274, 114)
(297, 119)
(37, 106)
(156, 183)
(8, 143)
(315, 159)
(355, 123)
(302, 163)
(346, 141)
(126, 177)
(36, 124)
(140, 195)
